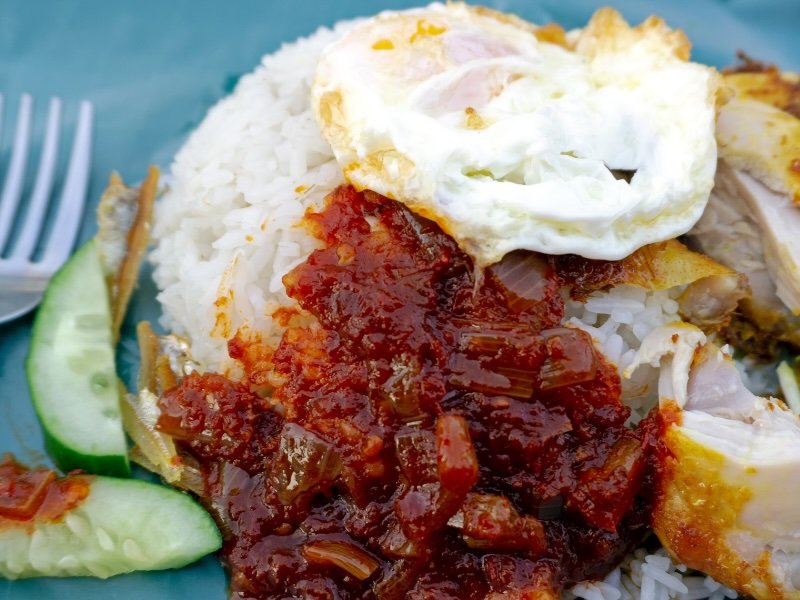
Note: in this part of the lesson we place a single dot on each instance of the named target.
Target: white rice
(226, 233)
(618, 320)
(644, 576)
(226, 230)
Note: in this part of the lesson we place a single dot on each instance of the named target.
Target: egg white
(509, 142)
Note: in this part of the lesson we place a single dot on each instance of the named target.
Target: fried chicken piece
(730, 473)
(752, 221)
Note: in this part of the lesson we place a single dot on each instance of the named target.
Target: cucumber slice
(123, 525)
(71, 370)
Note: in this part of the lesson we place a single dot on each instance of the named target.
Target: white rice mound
(226, 232)
(226, 229)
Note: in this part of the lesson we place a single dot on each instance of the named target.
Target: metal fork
(23, 279)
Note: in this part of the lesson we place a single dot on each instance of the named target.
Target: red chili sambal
(28, 495)
(437, 433)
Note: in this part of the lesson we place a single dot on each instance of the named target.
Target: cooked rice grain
(226, 229)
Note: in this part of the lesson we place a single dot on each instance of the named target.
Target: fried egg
(510, 136)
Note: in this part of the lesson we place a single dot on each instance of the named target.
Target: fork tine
(15, 176)
(43, 186)
(73, 195)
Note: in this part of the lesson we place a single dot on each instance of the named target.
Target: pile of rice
(227, 231)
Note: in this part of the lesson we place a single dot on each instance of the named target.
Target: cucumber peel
(71, 370)
(123, 525)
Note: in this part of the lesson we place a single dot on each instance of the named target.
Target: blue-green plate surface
(152, 70)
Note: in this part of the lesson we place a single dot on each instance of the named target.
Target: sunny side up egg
(510, 136)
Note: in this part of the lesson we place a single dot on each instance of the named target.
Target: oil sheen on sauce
(30, 496)
(429, 436)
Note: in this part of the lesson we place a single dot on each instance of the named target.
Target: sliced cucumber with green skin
(71, 370)
(123, 525)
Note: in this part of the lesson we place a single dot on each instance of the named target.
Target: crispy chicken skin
(759, 128)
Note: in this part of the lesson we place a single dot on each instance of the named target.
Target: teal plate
(152, 70)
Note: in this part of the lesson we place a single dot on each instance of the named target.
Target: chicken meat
(730, 469)
(752, 221)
